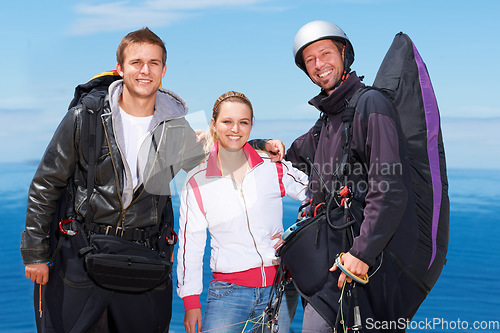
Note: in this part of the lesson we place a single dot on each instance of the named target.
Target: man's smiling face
(142, 70)
(324, 64)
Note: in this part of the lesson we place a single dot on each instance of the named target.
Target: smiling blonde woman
(237, 194)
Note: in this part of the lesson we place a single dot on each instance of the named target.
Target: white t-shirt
(135, 130)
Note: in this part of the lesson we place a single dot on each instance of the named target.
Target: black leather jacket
(63, 169)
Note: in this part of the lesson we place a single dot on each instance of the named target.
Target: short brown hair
(143, 35)
(339, 44)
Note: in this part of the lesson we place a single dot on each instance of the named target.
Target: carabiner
(173, 240)
(345, 193)
(64, 231)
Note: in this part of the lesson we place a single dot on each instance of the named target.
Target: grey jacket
(170, 146)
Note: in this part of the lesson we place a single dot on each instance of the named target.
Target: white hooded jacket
(241, 220)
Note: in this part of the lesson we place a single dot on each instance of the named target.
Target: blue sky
(245, 45)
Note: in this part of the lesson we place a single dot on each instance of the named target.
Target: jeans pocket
(220, 289)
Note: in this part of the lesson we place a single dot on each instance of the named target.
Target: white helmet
(317, 30)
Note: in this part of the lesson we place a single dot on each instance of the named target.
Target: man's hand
(278, 243)
(277, 150)
(38, 273)
(200, 135)
(353, 265)
(191, 319)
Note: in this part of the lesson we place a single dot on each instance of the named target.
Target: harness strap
(131, 234)
(277, 291)
(89, 104)
(347, 119)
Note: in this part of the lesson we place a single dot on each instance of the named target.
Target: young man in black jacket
(146, 140)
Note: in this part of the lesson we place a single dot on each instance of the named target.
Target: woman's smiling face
(233, 125)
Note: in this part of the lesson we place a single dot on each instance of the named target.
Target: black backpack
(404, 78)
(90, 96)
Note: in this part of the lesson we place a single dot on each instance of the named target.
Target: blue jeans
(234, 308)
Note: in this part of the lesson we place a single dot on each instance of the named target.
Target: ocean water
(466, 297)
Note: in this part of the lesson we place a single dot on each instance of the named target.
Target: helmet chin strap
(345, 73)
(343, 77)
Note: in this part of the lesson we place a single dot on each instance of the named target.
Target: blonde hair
(230, 96)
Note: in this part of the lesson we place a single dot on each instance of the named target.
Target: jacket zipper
(119, 224)
(113, 162)
(122, 217)
(262, 270)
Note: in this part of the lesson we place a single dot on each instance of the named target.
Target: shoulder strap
(91, 136)
(92, 133)
(347, 118)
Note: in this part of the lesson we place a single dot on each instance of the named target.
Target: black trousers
(72, 302)
(386, 303)
(389, 300)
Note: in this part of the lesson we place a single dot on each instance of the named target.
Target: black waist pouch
(118, 264)
(312, 248)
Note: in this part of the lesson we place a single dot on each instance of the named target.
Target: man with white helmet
(323, 51)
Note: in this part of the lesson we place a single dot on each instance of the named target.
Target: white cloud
(196, 4)
(126, 15)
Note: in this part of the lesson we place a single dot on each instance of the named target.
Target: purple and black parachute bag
(420, 131)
